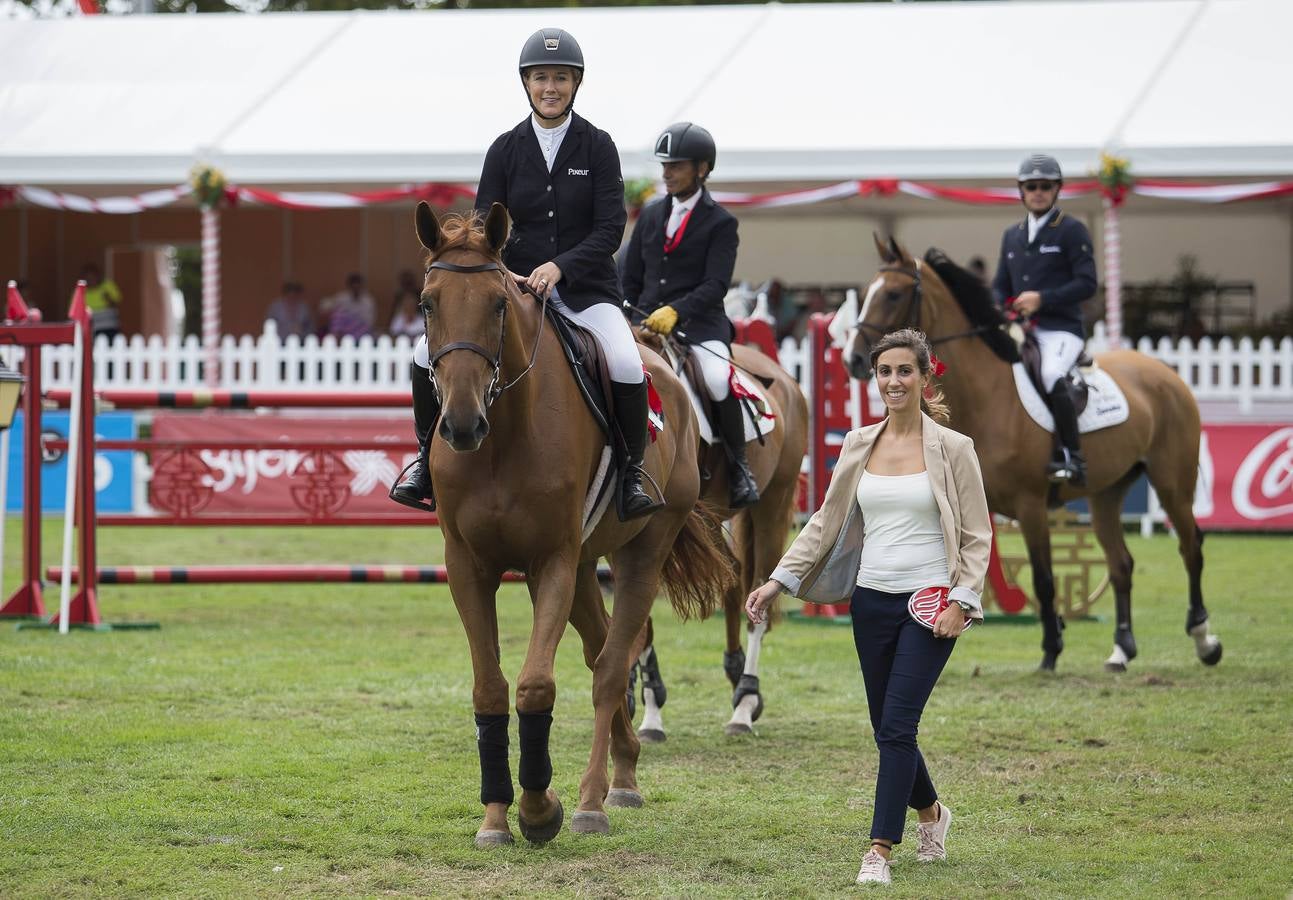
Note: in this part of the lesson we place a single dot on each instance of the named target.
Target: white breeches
(1060, 350)
(715, 360)
(606, 323)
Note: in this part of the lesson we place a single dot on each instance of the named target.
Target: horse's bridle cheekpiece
(913, 304)
(496, 361)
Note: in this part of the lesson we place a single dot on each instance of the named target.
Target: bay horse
(1159, 438)
(513, 456)
(758, 536)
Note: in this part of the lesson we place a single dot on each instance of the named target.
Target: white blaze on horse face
(851, 341)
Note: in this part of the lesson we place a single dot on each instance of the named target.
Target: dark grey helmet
(1040, 166)
(685, 141)
(551, 47)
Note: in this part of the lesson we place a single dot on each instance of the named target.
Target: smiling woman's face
(898, 377)
(550, 88)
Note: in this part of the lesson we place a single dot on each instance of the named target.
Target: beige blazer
(821, 565)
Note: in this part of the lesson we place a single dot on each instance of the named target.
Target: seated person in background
(406, 317)
(350, 312)
(290, 313)
(103, 300)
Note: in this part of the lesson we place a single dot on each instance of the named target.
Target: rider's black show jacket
(693, 278)
(1059, 264)
(573, 216)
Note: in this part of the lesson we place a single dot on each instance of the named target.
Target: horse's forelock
(463, 231)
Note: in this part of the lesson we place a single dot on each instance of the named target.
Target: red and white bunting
(449, 194)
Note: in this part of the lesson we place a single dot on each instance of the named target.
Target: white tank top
(903, 548)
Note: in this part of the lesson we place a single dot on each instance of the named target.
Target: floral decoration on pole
(637, 193)
(1115, 180)
(209, 188)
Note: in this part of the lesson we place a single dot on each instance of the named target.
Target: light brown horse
(758, 537)
(1159, 438)
(513, 456)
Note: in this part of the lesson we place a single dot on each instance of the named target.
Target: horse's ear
(882, 248)
(428, 226)
(900, 254)
(496, 226)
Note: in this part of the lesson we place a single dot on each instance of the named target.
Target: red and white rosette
(926, 604)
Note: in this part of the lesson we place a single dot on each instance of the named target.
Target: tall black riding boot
(1073, 467)
(731, 421)
(631, 500)
(414, 487)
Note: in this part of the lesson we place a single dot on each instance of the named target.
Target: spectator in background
(980, 269)
(350, 312)
(406, 317)
(290, 313)
(103, 300)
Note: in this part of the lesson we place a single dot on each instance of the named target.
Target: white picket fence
(1240, 372)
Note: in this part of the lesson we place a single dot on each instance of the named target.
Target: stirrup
(623, 489)
(406, 499)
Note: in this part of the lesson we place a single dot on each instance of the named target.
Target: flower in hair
(936, 365)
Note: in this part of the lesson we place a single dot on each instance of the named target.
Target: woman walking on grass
(905, 511)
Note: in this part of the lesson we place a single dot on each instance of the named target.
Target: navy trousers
(901, 661)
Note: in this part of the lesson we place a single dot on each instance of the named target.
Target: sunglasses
(1031, 186)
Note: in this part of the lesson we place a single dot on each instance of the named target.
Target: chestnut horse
(516, 450)
(1159, 438)
(758, 536)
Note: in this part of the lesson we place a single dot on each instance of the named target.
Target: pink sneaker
(930, 837)
(875, 868)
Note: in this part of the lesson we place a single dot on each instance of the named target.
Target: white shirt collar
(1035, 223)
(550, 138)
(688, 204)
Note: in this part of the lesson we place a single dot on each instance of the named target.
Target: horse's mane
(976, 301)
(463, 231)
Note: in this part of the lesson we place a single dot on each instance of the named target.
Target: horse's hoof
(489, 838)
(1213, 657)
(1114, 667)
(651, 736)
(590, 823)
(541, 834)
(733, 729)
(624, 798)
(1048, 662)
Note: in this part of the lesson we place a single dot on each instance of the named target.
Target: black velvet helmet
(1039, 166)
(685, 141)
(551, 47)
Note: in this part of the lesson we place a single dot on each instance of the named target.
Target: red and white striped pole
(1112, 273)
(211, 295)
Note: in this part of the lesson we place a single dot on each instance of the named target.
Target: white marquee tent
(794, 94)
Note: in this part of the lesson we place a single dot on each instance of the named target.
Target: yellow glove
(662, 320)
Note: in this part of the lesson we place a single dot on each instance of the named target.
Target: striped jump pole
(281, 574)
(128, 398)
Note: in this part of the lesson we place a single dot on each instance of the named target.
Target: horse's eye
(500, 306)
(894, 296)
(426, 306)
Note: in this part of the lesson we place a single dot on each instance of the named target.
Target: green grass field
(318, 741)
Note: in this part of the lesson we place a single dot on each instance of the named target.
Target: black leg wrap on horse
(651, 677)
(1126, 641)
(536, 764)
(495, 775)
(734, 665)
(749, 684)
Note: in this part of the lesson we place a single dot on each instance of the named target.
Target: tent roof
(792, 93)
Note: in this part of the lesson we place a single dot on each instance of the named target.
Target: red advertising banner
(1246, 477)
(320, 478)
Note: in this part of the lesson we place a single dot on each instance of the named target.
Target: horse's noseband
(496, 361)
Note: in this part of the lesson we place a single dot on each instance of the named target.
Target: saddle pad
(702, 417)
(1106, 404)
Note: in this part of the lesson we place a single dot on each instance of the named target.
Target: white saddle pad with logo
(1106, 404)
(751, 384)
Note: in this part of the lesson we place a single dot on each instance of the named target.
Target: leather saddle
(588, 365)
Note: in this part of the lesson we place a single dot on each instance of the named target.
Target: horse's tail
(700, 566)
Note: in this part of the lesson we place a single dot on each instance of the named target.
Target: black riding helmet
(684, 141)
(1040, 167)
(552, 47)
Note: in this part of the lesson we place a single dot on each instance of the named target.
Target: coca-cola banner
(326, 479)
(1246, 477)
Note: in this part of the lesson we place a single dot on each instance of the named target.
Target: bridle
(496, 361)
(913, 311)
